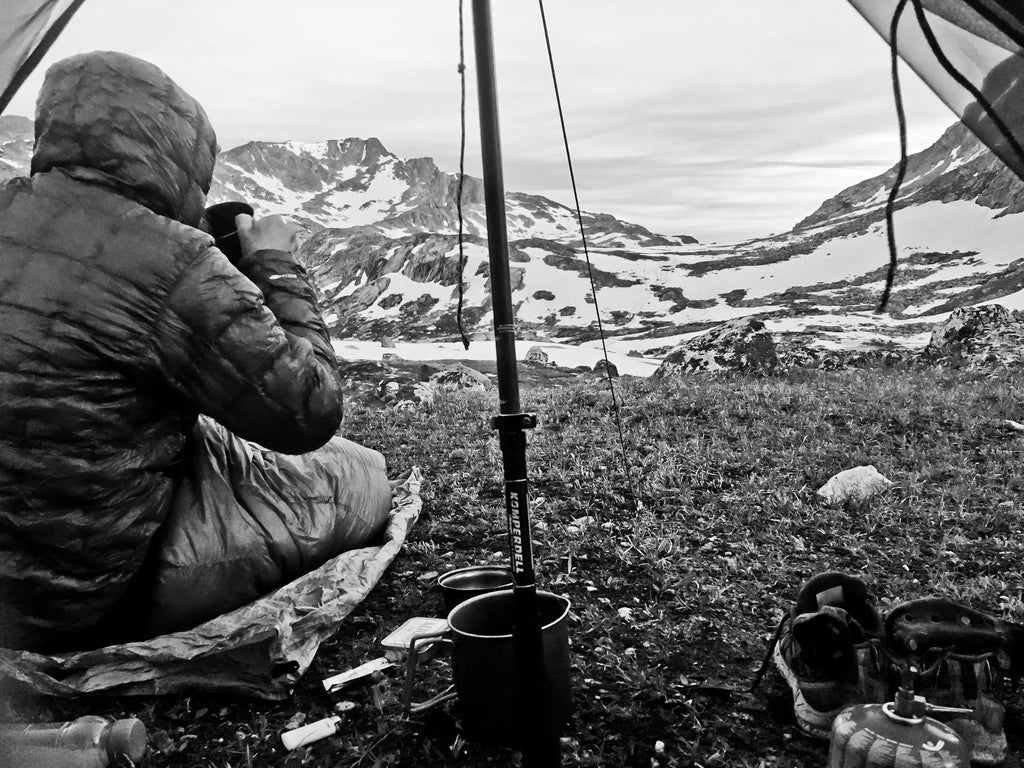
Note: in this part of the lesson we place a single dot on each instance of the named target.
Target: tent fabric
(258, 650)
(982, 41)
(28, 28)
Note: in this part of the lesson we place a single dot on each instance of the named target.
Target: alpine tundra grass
(679, 555)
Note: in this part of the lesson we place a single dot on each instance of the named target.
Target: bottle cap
(128, 737)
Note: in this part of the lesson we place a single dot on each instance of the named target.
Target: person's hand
(268, 233)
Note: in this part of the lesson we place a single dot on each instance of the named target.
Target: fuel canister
(897, 734)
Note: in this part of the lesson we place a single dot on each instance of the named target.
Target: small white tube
(310, 732)
(336, 682)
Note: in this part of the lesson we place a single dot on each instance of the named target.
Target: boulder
(460, 376)
(978, 337)
(405, 394)
(606, 368)
(427, 370)
(877, 358)
(374, 384)
(743, 345)
(832, 360)
(793, 354)
(537, 356)
(840, 359)
(360, 379)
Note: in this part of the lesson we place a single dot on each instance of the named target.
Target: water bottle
(88, 742)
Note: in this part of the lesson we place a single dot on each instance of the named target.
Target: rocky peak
(370, 151)
(14, 127)
(358, 183)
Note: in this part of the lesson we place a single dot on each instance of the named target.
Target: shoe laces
(768, 654)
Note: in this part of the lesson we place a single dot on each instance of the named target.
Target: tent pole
(536, 720)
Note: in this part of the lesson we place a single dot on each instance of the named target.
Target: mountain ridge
(361, 183)
(381, 245)
(957, 166)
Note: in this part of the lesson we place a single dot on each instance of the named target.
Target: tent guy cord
(901, 170)
(462, 175)
(616, 412)
(963, 82)
(997, 20)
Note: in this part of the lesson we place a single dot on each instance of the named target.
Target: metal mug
(480, 633)
(463, 583)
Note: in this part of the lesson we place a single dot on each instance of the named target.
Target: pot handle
(411, 707)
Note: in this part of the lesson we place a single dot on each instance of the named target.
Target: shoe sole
(810, 720)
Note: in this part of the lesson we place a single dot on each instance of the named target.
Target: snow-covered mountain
(381, 244)
(958, 228)
(359, 183)
(15, 146)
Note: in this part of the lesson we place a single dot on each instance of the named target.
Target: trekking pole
(538, 730)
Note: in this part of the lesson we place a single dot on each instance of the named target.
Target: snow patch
(565, 355)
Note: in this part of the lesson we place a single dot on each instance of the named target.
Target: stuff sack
(260, 649)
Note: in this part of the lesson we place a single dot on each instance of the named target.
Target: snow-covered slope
(15, 146)
(960, 241)
(381, 244)
(359, 183)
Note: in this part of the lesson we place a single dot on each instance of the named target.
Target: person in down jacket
(120, 324)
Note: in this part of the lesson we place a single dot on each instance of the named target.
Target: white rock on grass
(853, 487)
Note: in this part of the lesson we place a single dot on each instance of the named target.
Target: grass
(704, 531)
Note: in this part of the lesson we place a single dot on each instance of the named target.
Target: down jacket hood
(114, 120)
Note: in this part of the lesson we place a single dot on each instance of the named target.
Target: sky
(721, 119)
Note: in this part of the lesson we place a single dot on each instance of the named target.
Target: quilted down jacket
(119, 324)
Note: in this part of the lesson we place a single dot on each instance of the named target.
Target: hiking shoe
(963, 657)
(829, 650)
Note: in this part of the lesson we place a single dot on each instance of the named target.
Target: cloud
(728, 119)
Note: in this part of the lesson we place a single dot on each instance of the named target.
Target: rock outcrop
(793, 355)
(978, 337)
(537, 356)
(743, 346)
(459, 376)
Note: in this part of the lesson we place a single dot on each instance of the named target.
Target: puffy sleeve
(251, 350)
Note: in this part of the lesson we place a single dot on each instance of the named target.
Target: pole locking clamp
(514, 422)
